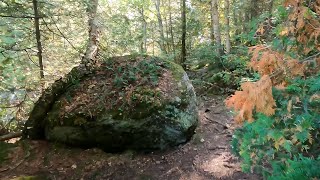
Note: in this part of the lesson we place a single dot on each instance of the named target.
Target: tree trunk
(270, 9)
(235, 19)
(184, 34)
(211, 27)
(162, 39)
(153, 39)
(216, 25)
(167, 35)
(38, 37)
(34, 127)
(171, 28)
(228, 44)
(144, 30)
(254, 9)
(94, 34)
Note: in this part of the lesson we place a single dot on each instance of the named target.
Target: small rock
(158, 162)
(60, 169)
(74, 166)
(202, 140)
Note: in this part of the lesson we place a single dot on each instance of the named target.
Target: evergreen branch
(310, 57)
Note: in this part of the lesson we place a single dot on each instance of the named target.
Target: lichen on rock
(128, 102)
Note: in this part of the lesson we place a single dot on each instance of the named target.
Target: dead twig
(215, 121)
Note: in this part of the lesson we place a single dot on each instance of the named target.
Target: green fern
(315, 86)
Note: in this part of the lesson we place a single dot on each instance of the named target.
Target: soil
(206, 156)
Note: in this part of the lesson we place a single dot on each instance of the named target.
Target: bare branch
(20, 17)
(10, 136)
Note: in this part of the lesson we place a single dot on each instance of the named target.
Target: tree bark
(270, 9)
(38, 37)
(254, 9)
(167, 35)
(235, 18)
(212, 22)
(144, 30)
(216, 25)
(94, 34)
(160, 23)
(171, 28)
(184, 34)
(228, 44)
(34, 127)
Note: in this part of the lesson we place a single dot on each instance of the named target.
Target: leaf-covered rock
(124, 103)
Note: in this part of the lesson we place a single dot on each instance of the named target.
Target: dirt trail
(206, 156)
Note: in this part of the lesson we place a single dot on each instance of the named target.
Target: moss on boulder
(128, 102)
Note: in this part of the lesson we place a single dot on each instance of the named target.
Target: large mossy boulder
(129, 102)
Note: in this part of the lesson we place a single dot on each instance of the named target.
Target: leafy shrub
(272, 144)
(223, 73)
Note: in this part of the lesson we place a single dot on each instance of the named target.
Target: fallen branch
(10, 136)
(215, 121)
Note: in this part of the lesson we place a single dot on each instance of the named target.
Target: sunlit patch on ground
(193, 176)
(221, 165)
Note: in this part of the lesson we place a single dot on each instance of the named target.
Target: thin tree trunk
(94, 35)
(228, 44)
(171, 28)
(34, 127)
(216, 25)
(184, 34)
(38, 37)
(153, 39)
(235, 19)
(254, 9)
(144, 30)
(162, 39)
(270, 9)
(167, 35)
(212, 23)
(267, 33)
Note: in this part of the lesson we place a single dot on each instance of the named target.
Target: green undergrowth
(285, 145)
(219, 74)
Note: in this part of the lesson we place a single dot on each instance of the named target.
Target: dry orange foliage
(267, 62)
(303, 24)
(274, 67)
(255, 96)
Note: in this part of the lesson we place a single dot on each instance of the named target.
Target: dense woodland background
(267, 52)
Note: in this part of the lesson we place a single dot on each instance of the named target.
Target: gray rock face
(140, 103)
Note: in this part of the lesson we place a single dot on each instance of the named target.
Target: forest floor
(206, 156)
